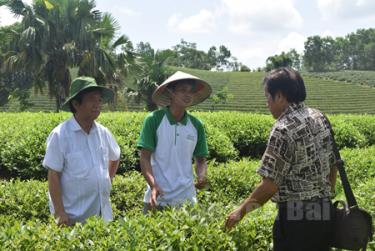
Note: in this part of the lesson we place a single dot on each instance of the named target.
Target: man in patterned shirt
(298, 168)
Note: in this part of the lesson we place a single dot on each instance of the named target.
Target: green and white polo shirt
(173, 145)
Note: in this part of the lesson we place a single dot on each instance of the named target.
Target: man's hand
(146, 168)
(261, 194)
(234, 217)
(112, 168)
(201, 170)
(201, 183)
(156, 191)
(63, 219)
(54, 187)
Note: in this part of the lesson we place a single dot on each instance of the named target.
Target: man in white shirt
(170, 139)
(82, 157)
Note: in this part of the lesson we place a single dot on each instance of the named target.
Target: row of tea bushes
(230, 135)
(184, 229)
(25, 223)
(229, 183)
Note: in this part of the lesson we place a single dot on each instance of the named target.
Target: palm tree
(152, 73)
(58, 35)
(14, 84)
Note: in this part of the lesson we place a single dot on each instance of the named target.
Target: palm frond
(122, 40)
(27, 37)
(3, 2)
(107, 58)
(16, 7)
(110, 23)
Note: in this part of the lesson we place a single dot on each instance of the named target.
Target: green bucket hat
(82, 83)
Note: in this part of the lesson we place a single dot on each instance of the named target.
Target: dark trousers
(303, 225)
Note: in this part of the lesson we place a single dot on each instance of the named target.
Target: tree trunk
(58, 102)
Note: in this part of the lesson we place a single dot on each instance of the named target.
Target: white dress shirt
(83, 160)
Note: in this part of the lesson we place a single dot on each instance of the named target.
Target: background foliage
(230, 136)
(25, 223)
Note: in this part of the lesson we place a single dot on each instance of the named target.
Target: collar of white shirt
(74, 126)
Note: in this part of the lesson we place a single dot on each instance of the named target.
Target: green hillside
(328, 95)
(40, 102)
(354, 77)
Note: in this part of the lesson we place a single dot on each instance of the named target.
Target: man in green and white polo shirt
(170, 139)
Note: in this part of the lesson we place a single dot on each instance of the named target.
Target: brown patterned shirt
(299, 155)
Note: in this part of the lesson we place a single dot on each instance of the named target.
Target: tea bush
(24, 200)
(22, 141)
(229, 182)
(359, 164)
(229, 135)
(364, 124)
(347, 135)
(248, 132)
(220, 146)
(184, 229)
(25, 223)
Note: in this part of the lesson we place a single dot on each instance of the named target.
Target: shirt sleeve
(54, 157)
(113, 147)
(201, 149)
(277, 158)
(147, 138)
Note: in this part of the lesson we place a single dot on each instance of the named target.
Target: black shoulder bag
(353, 227)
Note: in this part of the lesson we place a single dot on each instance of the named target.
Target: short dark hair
(287, 81)
(80, 96)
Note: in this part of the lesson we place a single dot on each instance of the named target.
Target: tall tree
(296, 59)
(355, 51)
(14, 85)
(57, 35)
(319, 53)
(186, 54)
(189, 56)
(223, 57)
(152, 73)
(282, 60)
(342, 56)
(212, 56)
(361, 43)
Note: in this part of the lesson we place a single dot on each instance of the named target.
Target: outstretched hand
(233, 218)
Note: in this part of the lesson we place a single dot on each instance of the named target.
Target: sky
(252, 30)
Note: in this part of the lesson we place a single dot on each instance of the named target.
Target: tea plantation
(236, 141)
(354, 77)
(329, 94)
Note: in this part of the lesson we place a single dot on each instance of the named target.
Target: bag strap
(340, 166)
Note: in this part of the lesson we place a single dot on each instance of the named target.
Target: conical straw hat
(203, 89)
